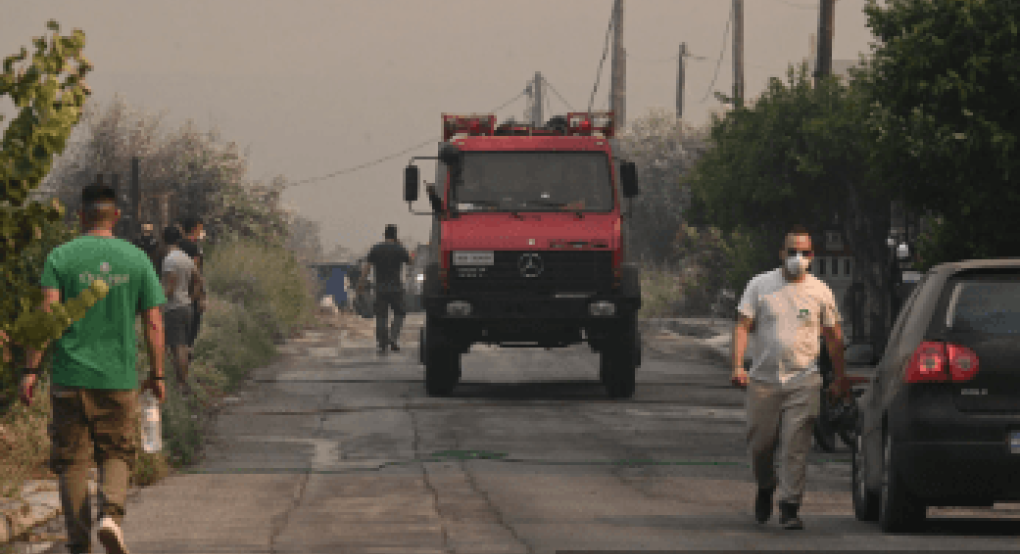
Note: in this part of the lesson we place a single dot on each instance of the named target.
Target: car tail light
(940, 362)
(963, 362)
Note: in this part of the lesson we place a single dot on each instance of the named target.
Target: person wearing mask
(191, 244)
(387, 258)
(789, 308)
(179, 281)
(94, 381)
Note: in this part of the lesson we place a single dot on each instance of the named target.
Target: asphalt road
(335, 449)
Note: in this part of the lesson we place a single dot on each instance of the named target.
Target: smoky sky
(310, 87)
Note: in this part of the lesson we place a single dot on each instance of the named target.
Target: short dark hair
(391, 232)
(188, 224)
(799, 229)
(172, 235)
(98, 202)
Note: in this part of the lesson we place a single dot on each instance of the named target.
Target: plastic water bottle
(152, 435)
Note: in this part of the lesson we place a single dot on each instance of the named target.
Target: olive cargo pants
(87, 423)
(788, 415)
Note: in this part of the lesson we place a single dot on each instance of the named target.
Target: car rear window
(985, 306)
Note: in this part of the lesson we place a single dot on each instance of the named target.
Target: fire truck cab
(528, 244)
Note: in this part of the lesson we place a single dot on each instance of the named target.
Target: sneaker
(788, 516)
(111, 537)
(763, 505)
(394, 347)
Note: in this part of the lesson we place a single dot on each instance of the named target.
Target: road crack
(279, 523)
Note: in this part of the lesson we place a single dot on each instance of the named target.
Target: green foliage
(788, 158)
(49, 93)
(946, 76)
(715, 261)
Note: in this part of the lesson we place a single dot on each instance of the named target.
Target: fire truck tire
(442, 371)
(618, 362)
(442, 363)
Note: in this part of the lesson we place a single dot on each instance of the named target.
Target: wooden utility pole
(680, 82)
(618, 97)
(738, 53)
(536, 105)
(826, 22)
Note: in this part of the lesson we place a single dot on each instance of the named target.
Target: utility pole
(826, 23)
(680, 82)
(536, 105)
(738, 53)
(618, 95)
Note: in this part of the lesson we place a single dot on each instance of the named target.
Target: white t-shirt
(788, 318)
(179, 264)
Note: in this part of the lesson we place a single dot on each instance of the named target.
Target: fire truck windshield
(534, 181)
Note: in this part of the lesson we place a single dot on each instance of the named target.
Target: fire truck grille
(537, 272)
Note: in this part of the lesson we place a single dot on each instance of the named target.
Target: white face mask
(797, 264)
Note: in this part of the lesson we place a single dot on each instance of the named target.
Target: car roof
(985, 263)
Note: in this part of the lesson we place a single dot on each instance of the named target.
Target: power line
(391, 156)
(722, 51)
(798, 6)
(558, 95)
(605, 50)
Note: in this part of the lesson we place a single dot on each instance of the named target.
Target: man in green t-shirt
(94, 378)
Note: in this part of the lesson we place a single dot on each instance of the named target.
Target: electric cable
(391, 156)
(722, 51)
(558, 95)
(605, 50)
(798, 6)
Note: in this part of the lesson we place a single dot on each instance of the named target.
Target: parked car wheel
(898, 509)
(865, 500)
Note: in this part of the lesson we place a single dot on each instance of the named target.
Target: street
(341, 451)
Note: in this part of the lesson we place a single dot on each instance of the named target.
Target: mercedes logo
(530, 265)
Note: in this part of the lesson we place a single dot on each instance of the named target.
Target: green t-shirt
(99, 350)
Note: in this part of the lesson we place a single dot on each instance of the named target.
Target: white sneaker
(111, 537)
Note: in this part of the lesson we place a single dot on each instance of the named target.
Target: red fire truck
(528, 244)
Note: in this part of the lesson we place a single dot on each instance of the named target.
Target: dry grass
(25, 444)
(660, 292)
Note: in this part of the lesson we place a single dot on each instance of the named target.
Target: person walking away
(94, 381)
(789, 308)
(387, 258)
(194, 234)
(179, 280)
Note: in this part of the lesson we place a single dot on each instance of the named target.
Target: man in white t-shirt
(179, 278)
(788, 308)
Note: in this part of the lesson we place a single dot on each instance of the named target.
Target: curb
(39, 502)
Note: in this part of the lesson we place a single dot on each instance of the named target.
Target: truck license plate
(473, 258)
(1014, 442)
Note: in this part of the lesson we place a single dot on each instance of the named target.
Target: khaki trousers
(787, 416)
(87, 424)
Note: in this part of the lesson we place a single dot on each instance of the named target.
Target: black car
(940, 423)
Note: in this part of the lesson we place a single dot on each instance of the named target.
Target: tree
(48, 109)
(945, 78)
(305, 238)
(798, 154)
(663, 150)
(206, 176)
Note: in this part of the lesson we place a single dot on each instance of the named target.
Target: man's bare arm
(834, 343)
(740, 332)
(152, 319)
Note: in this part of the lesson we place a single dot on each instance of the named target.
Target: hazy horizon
(313, 87)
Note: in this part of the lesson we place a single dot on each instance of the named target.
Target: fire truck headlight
(602, 308)
(458, 308)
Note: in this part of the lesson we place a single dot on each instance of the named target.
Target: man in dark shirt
(191, 245)
(387, 258)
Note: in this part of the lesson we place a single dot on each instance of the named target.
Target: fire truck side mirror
(449, 155)
(411, 183)
(628, 176)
